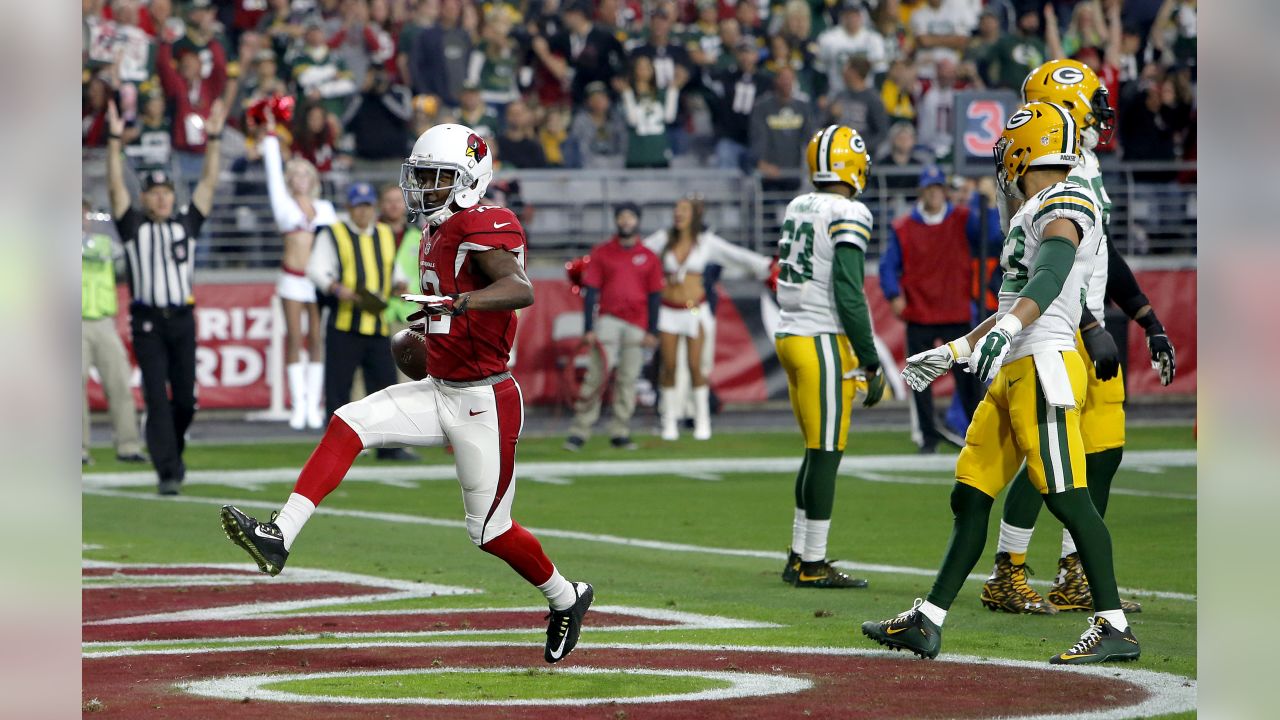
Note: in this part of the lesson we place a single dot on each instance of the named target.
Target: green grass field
(890, 518)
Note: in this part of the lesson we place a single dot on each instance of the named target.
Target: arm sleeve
(655, 301)
(322, 268)
(1053, 264)
(891, 267)
(590, 298)
(851, 303)
(729, 255)
(287, 215)
(1122, 286)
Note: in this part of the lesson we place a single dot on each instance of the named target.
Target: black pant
(164, 343)
(925, 337)
(346, 351)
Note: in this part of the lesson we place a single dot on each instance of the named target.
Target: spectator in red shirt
(625, 278)
(191, 97)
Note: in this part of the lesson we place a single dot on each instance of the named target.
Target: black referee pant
(926, 337)
(164, 343)
(346, 351)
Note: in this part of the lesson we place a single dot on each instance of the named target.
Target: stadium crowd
(615, 83)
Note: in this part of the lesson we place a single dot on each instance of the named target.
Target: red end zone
(142, 605)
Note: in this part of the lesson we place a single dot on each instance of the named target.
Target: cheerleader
(294, 188)
(686, 250)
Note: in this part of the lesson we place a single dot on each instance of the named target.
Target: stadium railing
(569, 210)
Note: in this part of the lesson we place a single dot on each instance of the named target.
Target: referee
(159, 247)
(354, 261)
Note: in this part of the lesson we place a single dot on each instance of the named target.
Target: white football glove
(923, 368)
(993, 347)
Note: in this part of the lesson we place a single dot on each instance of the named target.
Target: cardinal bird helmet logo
(476, 148)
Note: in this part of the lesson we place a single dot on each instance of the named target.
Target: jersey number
(795, 251)
(1014, 256)
(1095, 184)
(436, 324)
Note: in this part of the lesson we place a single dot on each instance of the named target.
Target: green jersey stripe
(822, 391)
(838, 378)
(1051, 205)
(1042, 423)
(1064, 448)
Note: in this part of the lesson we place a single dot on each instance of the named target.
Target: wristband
(215, 136)
(460, 303)
(960, 349)
(111, 136)
(1151, 324)
(1009, 323)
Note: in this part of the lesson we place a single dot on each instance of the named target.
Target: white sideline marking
(594, 537)
(1168, 693)
(741, 685)
(852, 465)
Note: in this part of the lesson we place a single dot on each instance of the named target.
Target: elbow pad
(1053, 264)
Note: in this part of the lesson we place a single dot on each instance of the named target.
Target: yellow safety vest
(363, 262)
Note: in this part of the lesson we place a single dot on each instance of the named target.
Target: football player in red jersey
(473, 258)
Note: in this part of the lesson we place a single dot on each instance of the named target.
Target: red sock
(522, 551)
(329, 462)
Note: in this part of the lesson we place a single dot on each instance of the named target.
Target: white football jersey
(1055, 329)
(1089, 174)
(814, 225)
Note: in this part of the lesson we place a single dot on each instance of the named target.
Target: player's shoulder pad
(1066, 196)
(489, 219)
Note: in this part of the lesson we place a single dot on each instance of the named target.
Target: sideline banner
(236, 327)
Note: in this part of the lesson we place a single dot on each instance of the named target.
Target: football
(409, 348)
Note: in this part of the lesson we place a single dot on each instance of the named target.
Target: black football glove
(1103, 351)
(1162, 357)
(875, 385)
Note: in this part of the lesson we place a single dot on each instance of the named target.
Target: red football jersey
(477, 343)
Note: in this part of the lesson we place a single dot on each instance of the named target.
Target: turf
(894, 519)
(516, 684)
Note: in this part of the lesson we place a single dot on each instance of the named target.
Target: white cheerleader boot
(667, 412)
(315, 395)
(702, 413)
(297, 395)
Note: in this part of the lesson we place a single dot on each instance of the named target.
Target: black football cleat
(910, 630)
(822, 574)
(565, 625)
(263, 541)
(792, 569)
(1102, 642)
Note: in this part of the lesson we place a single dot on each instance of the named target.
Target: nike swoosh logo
(891, 631)
(474, 413)
(555, 654)
(257, 530)
(810, 578)
(1012, 381)
(499, 226)
(1073, 657)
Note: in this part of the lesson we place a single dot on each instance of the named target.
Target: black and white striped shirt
(160, 256)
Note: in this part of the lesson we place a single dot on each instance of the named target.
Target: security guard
(354, 261)
(159, 247)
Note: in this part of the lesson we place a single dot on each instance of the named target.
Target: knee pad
(968, 499)
(476, 527)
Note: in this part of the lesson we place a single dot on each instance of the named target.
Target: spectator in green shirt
(648, 111)
(100, 345)
(1017, 53)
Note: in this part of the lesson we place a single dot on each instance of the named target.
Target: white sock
(1013, 539)
(559, 592)
(295, 513)
(1115, 617)
(933, 612)
(1068, 543)
(798, 526)
(815, 540)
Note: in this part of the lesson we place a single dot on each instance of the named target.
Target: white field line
(1168, 693)
(741, 685)
(598, 538)
(553, 471)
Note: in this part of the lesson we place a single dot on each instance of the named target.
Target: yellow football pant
(1014, 423)
(1102, 416)
(820, 396)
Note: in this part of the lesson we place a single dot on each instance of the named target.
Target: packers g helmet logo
(1067, 75)
(857, 144)
(1018, 119)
